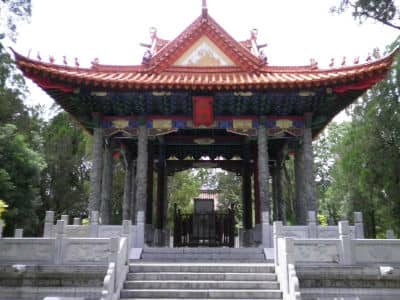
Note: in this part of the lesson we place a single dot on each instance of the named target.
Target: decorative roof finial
(204, 10)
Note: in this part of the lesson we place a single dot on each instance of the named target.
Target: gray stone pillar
(18, 233)
(358, 225)
(141, 183)
(1, 228)
(263, 178)
(106, 190)
(96, 171)
(126, 201)
(48, 224)
(301, 210)
(263, 169)
(305, 183)
(133, 193)
(309, 180)
(281, 202)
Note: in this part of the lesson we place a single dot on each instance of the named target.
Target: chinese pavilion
(203, 95)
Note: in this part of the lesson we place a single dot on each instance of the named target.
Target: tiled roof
(248, 71)
(200, 78)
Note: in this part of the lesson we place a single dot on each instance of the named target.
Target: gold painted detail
(284, 124)
(204, 53)
(243, 94)
(120, 123)
(242, 124)
(162, 124)
(99, 94)
(161, 93)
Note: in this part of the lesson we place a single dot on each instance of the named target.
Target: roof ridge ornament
(204, 9)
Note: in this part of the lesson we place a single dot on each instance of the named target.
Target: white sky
(112, 30)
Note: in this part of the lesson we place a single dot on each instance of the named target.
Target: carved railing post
(94, 224)
(48, 224)
(358, 225)
(345, 243)
(19, 233)
(312, 225)
(1, 228)
(60, 235)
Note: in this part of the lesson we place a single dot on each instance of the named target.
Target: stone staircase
(224, 274)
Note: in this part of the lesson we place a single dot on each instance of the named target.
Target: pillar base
(246, 238)
(161, 238)
(149, 234)
(257, 234)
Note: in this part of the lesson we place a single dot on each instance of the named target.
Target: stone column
(309, 180)
(263, 177)
(257, 210)
(97, 166)
(305, 184)
(150, 173)
(126, 200)
(246, 189)
(301, 210)
(106, 190)
(141, 170)
(161, 170)
(274, 194)
(263, 169)
(133, 194)
(281, 207)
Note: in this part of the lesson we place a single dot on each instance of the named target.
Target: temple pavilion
(203, 99)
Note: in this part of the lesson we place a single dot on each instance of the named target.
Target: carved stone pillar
(126, 200)
(106, 191)
(246, 189)
(149, 202)
(309, 180)
(301, 210)
(257, 208)
(274, 194)
(263, 177)
(133, 193)
(160, 186)
(141, 169)
(281, 208)
(305, 184)
(263, 169)
(96, 172)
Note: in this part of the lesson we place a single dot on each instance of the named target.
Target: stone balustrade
(60, 249)
(94, 229)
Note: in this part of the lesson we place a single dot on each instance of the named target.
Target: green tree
(230, 193)
(366, 173)
(383, 11)
(182, 188)
(64, 182)
(20, 168)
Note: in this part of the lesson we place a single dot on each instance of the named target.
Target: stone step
(204, 254)
(202, 257)
(202, 267)
(203, 294)
(202, 276)
(194, 285)
(203, 250)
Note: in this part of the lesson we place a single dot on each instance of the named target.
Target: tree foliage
(366, 173)
(64, 182)
(383, 11)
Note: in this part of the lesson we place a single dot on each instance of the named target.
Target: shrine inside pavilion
(203, 99)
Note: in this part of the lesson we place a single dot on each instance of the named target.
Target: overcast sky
(112, 30)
